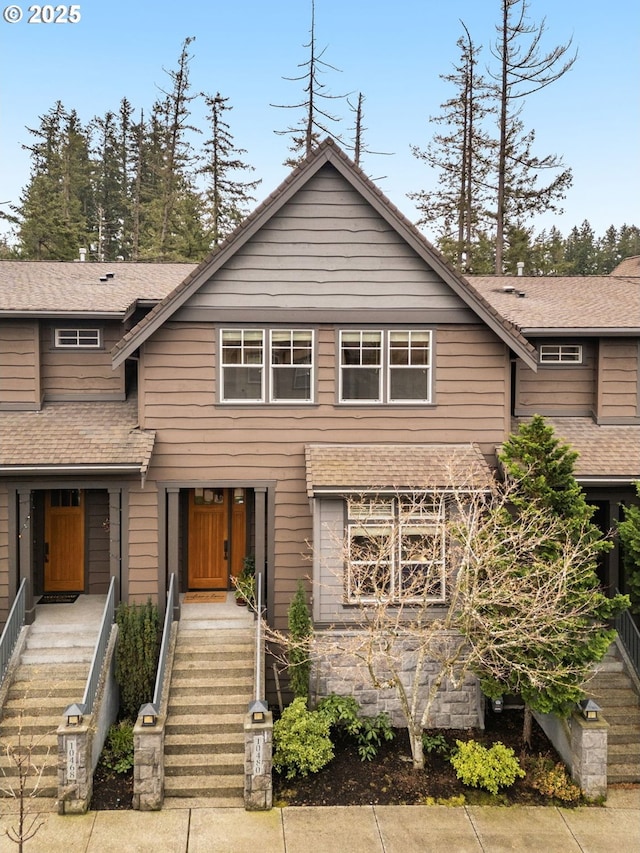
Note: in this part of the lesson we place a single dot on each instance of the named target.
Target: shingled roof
(548, 304)
(327, 152)
(606, 452)
(370, 467)
(55, 287)
(67, 436)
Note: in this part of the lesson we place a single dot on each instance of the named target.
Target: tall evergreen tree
(522, 71)
(315, 121)
(457, 207)
(581, 250)
(227, 197)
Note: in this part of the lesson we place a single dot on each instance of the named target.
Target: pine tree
(460, 155)
(315, 121)
(581, 251)
(227, 198)
(522, 71)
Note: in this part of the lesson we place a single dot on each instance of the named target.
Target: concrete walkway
(350, 829)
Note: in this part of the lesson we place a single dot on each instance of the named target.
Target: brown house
(159, 419)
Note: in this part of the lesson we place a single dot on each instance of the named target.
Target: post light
(497, 704)
(590, 710)
(74, 714)
(258, 711)
(149, 715)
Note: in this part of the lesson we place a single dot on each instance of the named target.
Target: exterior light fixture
(497, 704)
(238, 495)
(258, 711)
(590, 710)
(149, 715)
(74, 714)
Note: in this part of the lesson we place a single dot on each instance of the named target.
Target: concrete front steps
(210, 691)
(617, 694)
(51, 674)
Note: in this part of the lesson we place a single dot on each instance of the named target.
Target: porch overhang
(358, 468)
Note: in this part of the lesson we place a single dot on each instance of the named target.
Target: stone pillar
(258, 759)
(148, 767)
(75, 773)
(589, 755)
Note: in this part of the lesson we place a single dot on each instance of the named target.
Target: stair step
(622, 733)
(194, 724)
(51, 656)
(211, 707)
(623, 773)
(204, 786)
(189, 764)
(186, 802)
(212, 686)
(177, 745)
(29, 725)
(622, 751)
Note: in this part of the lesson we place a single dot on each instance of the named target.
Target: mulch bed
(387, 780)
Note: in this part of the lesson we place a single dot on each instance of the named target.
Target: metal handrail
(629, 636)
(12, 628)
(108, 615)
(164, 647)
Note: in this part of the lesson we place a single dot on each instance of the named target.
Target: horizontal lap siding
(143, 543)
(19, 365)
(618, 380)
(198, 440)
(81, 374)
(558, 390)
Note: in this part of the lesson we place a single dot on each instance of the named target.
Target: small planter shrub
(343, 714)
(552, 781)
(136, 655)
(491, 769)
(302, 742)
(299, 623)
(117, 754)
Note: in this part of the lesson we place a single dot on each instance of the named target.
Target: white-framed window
(560, 354)
(259, 365)
(385, 366)
(77, 338)
(395, 550)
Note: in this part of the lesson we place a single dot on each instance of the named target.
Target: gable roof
(326, 152)
(58, 288)
(593, 304)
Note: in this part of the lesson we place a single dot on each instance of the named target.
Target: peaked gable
(365, 207)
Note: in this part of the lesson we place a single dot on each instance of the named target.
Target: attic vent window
(77, 338)
(560, 354)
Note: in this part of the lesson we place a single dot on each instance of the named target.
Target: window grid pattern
(77, 338)
(560, 354)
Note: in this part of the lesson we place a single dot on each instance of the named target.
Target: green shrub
(117, 754)
(299, 622)
(343, 714)
(490, 769)
(551, 780)
(136, 655)
(435, 743)
(302, 742)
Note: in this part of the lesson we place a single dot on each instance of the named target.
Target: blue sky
(393, 52)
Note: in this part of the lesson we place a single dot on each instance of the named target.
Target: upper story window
(77, 338)
(257, 366)
(395, 550)
(385, 367)
(560, 354)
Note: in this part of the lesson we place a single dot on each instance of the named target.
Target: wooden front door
(208, 539)
(64, 541)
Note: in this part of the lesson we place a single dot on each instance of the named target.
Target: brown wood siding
(618, 381)
(326, 250)
(143, 544)
(84, 374)
(97, 510)
(568, 390)
(198, 440)
(19, 365)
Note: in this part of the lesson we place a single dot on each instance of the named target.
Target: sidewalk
(349, 829)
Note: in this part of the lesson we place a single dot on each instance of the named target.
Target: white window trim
(560, 354)
(431, 523)
(385, 368)
(266, 368)
(78, 332)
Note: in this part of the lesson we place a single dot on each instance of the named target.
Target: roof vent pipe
(83, 255)
(520, 266)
